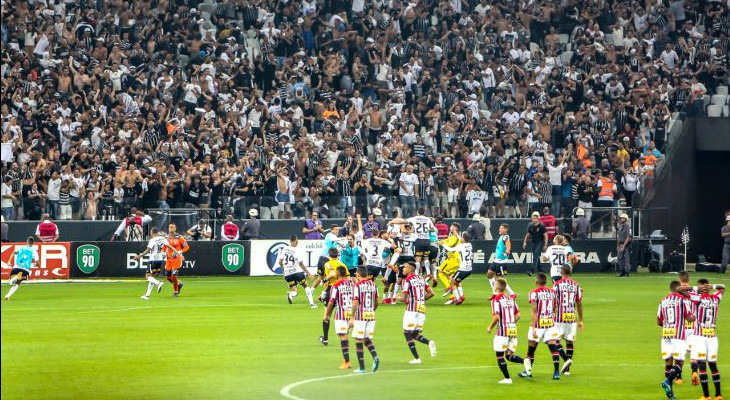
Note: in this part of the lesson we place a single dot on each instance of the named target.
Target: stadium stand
(333, 106)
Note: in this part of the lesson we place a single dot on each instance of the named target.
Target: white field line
(286, 390)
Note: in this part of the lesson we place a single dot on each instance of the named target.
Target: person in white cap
(725, 233)
(623, 242)
(581, 225)
(252, 226)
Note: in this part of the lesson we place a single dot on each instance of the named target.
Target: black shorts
(401, 274)
(423, 247)
(373, 135)
(403, 260)
(320, 265)
(24, 274)
(392, 276)
(155, 267)
(461, 275)
(434, 253)
(353, 272)
(498, 268)
(296, 278)
(373, 271)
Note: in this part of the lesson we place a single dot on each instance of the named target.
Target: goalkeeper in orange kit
(174, 262)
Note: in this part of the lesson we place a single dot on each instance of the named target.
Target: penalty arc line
(286, 390)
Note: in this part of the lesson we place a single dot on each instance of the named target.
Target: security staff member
(623, 242)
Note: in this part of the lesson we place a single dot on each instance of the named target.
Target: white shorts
(703, 348)
(413, 321)
(688, 333)
(543, 334)
(567, 330)
(503, 344)
(674, 348)
(363, 329)
(341, 326)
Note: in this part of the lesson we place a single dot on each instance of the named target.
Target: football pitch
(238, 338)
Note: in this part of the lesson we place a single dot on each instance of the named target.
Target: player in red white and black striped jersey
(704, 340)
(687, 289)
(543, 302)
(415, 293)
(505, 314)
(341, 303)
(364, 304)
(674, 310)
(569, 313)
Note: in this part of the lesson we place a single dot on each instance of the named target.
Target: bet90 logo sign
(232, 257)
(87, 258)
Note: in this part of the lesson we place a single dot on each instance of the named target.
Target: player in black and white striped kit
(295, 273)
(405, 253)
(422, 227)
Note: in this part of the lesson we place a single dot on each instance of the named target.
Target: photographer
(201, 231)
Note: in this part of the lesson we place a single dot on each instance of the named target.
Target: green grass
(237, 338)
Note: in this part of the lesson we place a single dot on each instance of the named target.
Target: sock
(667, 371)
(325, 329)
(421, 338)
(435, 270)
(509, 289)
(715, 378)
(12, 290)
(460, 291)
(411, 345)
(673, 372)
(561, 352)
(386, 295)
(556, 357)
(502, 364)
(492, 282)
(13, 280)
(427, 267)
(395, 291)
(371, 348)
(515, 359)
(308, 292)
(150, 286)
(693, 366)
(360, 357)
(569, 349)
(176, 284)
(679, 364)
(703, 378)
(152, 280)
(393, 296)
(345, 344)
(293, 294)
(444, 279)
(418, 268)
(531, 353)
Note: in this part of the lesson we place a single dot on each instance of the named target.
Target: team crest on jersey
(272, 254)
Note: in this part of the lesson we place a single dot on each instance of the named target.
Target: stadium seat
(206, 7)
(566, 56)
(721, 90)
(719, 99)
(714, 111)
(706, 100)
(726, 111)
(563, 38)
(534, 47)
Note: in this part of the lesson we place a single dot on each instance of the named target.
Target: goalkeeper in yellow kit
(448, 268)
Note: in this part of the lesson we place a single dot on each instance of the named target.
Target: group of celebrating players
(688, 318)
(409, 254)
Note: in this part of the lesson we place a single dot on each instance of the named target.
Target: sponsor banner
(116, 259)
(264, 254)
(54, 260)
(593, 256)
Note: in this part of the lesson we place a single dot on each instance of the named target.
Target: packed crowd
(300, 106)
